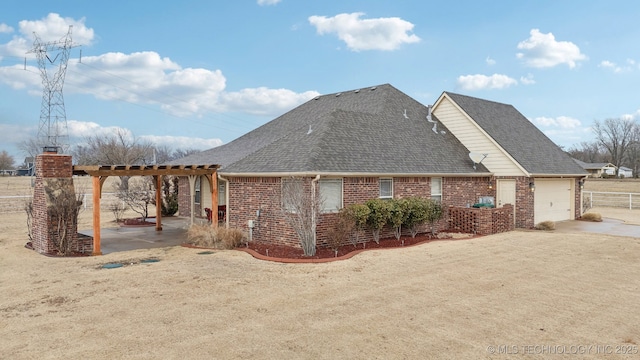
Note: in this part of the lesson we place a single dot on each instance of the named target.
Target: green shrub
(417, 213)
(398, 212)
(380, 210)
(170, 205)
(434, 213)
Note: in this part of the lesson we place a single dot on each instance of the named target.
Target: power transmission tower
(52, 131)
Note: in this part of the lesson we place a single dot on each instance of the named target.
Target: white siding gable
(475, 139)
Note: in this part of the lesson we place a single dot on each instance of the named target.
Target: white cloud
(15, 134)
(634, 116)
(527, 80)
(542, 51)
(366, 34)
(147, 78)
(5, 29)
(268, 2)
(490, 61)
(479, 82)
(182, 142)
(79, 130)
(142, 78)
(264, 101)
(616, 68)
(50, 28)
(563, 122)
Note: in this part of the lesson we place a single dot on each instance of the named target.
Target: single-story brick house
(379, 142)
(597, 170)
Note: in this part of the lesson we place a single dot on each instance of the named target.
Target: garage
(553, 200)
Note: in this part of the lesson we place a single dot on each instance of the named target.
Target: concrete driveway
(615, 221)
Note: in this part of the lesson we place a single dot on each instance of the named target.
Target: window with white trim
(197, 190)
(222, 193)
(330, 192)
(386, 188)
(436, 188)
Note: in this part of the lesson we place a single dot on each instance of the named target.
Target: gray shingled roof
(357, 131)
(529, 146)
(591, 166)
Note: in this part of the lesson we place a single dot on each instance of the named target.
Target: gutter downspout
(313, 197)
(226, 199)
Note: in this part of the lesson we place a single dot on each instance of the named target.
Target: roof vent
(356, 91)
(310, 130)
(373, 88)
(338, 94)
(316, 98)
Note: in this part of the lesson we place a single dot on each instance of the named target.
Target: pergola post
(192, 197)
(97, 191)
(158, 181)
(213, 185)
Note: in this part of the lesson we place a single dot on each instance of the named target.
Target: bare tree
(180, 153)
(632, 159)
(301, 206)
(616, 136)
(31, 147)
(6, 161)
(589, 152)
(116, 148)
(138, 195)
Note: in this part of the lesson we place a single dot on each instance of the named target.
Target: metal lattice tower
(52, 131)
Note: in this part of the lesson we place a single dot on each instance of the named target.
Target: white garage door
(552, 200)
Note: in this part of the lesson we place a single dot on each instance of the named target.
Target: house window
(222, 194)
(330, 194)
(386, 188)
(197, 190)
(436, 189)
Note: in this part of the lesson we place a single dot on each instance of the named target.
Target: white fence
(592, 199)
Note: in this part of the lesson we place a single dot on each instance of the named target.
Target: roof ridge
(477, 98)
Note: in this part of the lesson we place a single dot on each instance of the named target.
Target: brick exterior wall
(577, 199)
(53, 171)
(247, 195)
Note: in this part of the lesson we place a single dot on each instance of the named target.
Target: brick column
(53, 171)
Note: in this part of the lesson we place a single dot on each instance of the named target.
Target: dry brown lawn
(523, 290)
(613, 185)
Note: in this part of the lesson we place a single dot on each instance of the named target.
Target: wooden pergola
(100, 173)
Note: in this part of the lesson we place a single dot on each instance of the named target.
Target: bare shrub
(230, 238)
(359, 213)
(339, 232)
(595, 217)
(117, 209)
(545, 225)
(63, 208)
(205, 235)
(138, 195)
(28, 208)
(301, 209)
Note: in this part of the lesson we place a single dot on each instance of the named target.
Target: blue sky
(198, 73)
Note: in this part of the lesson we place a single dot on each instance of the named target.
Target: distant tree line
(617, 141)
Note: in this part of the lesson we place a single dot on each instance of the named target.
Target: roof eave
(559, 175)
(349, 174)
